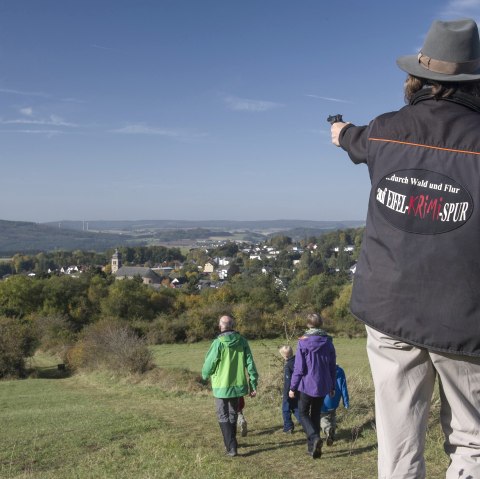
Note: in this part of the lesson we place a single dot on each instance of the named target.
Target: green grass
(163, 425)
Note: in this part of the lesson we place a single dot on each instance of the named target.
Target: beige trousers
(404, 379)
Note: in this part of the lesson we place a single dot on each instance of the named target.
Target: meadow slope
(162, 424)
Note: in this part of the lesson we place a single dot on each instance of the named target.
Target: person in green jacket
(228, 362)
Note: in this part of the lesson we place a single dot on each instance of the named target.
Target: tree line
(42, 263)
(267, 297)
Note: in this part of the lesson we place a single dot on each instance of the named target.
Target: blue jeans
(289, 406)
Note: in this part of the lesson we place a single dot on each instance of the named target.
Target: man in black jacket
(416, 282)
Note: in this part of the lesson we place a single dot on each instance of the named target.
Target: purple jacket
(315, 366)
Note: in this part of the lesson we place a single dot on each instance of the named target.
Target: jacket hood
(230, 338)
(314, 341)
(315, 332)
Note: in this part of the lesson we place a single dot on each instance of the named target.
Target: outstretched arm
(335, 130)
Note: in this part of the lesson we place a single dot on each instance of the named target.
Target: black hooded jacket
(418, 275)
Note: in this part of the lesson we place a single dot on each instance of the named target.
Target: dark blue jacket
(287, 375)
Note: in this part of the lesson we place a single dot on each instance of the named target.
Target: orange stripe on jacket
(424, 146)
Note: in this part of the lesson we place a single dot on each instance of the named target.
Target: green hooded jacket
(227, 362)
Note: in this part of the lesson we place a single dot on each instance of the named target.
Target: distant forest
(30, 238)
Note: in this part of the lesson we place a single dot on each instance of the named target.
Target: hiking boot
(317, 448)
(290, 431)
(229, 439)
(330, 438)
(232, 452)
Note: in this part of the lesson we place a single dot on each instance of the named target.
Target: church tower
(116, 261)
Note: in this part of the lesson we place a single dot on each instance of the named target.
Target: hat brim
(410, 64)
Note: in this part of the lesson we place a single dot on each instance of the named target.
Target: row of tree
(41, 263)
(57, 311)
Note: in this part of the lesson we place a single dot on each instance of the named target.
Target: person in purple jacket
(313, 378)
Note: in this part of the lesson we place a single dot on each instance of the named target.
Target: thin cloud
(28, 111)
(53, 120)
(72, 100)
(12, 91)
(246, 104)
(462, 8)
(318, 131)
(48, 133)
(24, 93)
(326, 98)
(143, 129)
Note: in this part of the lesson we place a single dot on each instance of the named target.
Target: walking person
(289, 405)
(313, 378)
(229, 362)
(416, 282)
(328, 416)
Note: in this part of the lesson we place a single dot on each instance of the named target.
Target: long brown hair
(439, 89)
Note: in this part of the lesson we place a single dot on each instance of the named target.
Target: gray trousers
(404, 378)
(226, 409)
(328, 422)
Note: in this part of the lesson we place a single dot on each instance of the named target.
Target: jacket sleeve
(354, 140)
(251, 368)
(211, 360)
(333, 365)
(298, 369)
(344, 389)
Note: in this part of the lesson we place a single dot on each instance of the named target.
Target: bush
(17, 341)
(202, 323)
(339, 320)
(110, 344)
(166, 330)
(54, 332)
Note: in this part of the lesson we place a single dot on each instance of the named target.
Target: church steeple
(116, 261)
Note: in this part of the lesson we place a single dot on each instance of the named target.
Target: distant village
(213, 271)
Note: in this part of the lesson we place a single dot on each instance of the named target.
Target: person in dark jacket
(416, 282)
(328, 416)
(289, 405)
(313, 378)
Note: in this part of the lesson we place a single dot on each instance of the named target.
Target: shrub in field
(17, 341)
(248, 320)
(54, 332)
(166, 329)
(202, 323)
(176, 381)
(271, 384)
(339, 320)
(110, 344)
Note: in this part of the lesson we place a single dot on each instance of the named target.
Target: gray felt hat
(451, 52)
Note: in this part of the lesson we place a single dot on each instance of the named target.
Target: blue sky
(196, 109)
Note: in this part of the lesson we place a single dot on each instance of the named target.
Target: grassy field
(162, 425)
